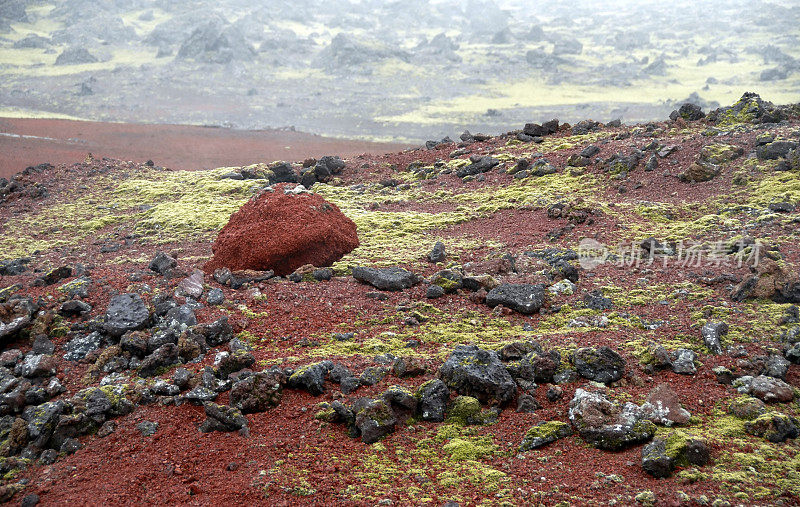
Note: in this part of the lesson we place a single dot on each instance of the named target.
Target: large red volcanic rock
(282, 231)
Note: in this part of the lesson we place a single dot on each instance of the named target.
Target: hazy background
(406, 70)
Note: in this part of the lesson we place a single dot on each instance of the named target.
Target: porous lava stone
(283, 231)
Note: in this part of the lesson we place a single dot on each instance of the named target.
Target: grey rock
(183, 314)
(596, 301)
(191, 286)
(43, 345)
(36, 365)
(393, 279)
(712, 332)
(215, 296)
(683, 362)
(775, 150)
(126, 312)
(222, 418)
(232, 363)
(434, 292)
(655, 460)
(74, 307)
(163, 264)
(136, 344)
(79, 347)
(776, 366)
(607, 425)
(523, 298)
(162, 357)
(770, 389)
(438, 253)
(199, 395)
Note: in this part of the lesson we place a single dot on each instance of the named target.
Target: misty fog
(390, 70)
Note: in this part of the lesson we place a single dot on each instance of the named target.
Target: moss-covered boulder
(544, 433)
(661, 456)
(774, 426)
(746, 407)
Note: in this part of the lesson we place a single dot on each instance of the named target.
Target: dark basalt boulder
(600, 365)
(392, 279)
(478, 373)
(126, 312)
(522, 298)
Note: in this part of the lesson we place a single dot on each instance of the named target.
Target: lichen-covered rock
(282, 231)
(663, 407)
(608, 425)
(479, 373)
(712, 333)
(522, 298)
(601, 365)
(450, 280)
(373, 374)
(465, 410)
(544, 433)
(774, 426)
(401, 400)
(257, 393)
(41, 421)
(392, 279)
(433, 397)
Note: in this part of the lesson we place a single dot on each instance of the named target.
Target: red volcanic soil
(36, 141)
(292, 458)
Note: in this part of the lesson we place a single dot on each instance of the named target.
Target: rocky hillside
(559, 314)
